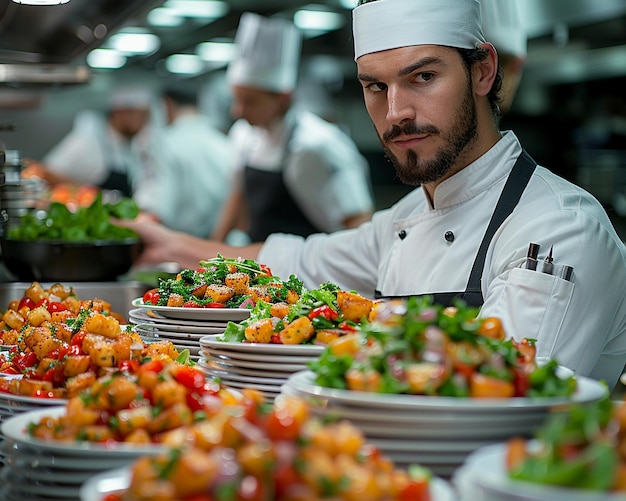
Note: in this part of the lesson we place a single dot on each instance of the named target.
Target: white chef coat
(186, 176)
(91, 150)
(582, 323)
(325, 174)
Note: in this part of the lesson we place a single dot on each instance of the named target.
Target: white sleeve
(78, 156)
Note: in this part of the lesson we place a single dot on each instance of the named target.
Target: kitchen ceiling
(565, 34)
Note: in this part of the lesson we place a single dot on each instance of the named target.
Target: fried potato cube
(129, 420)
(38, 316)
(260, 331)
(168, 393)
(35, 292)
(97, 433)
(102, 353)
(14, 319)
(219, 293)
(175, 300)
(75, 365)
(80, 413)
(298, 331)
(60, 291)
(239, 282)
(292, 297)
(172, 417)
(116, 393)
(259, 293)
(161, 350)
(279, 310)
(354, 306)
(79, 382)
(29, 387)
(105, 325)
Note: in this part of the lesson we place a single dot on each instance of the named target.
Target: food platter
(142, 315)
(15, 428)
(118, 479)
(483, 476)
(222, 314)
(212, 341)
(588, 390)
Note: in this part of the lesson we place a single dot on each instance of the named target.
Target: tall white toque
(390, 24)
(267, 54)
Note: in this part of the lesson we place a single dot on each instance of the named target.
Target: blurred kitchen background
(570, 110)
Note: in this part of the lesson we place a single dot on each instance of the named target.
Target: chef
(430, 84)
(296, 172)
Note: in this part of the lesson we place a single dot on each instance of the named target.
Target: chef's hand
(162, 245)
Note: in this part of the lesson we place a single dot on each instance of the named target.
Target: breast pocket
(533, 305)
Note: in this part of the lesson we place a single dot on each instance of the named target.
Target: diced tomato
(191, 304)
(345, 326)
(151, 366)
(215, 305)
(276, 339)
(521, 380)
(129, 366)
(78, 338)
(266, 269)
(200, 270)
(285, 476)
(324, 311)
(55, 306)
(250, 488)
(152, 296)
(9, 370)
(75, 350)
(43, 302)
(194, 401)
(54, 375)
(190, 378)
(58, 353)
(25, 360)
(26, 302)
(415, 490)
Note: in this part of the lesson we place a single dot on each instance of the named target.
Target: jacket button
(402, 234)
(449, 236)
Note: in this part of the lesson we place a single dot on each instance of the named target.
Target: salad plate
(15, 428)
(209, 366)
(230, 363)
(214, 341)
(222, 314)
(484, 476)
(588, 390)
(245, 356)
(144, 316)
(118, 479)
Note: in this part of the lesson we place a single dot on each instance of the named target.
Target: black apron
(511, 193)
(271, 208)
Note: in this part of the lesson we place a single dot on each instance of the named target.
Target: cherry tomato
(44, 394)
(191, 304)
(215, 305)
(113, 497)
(285, 420)
(276, 339)
(200, 270)
(26, 302)
(190, 378)
(43, 302)
(55, 306)
(151, 366)
(415, 490)
(492, 327)
(152, 296)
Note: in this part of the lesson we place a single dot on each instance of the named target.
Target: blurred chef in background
(295, 172)
(100, 150)
(502, 26)
(186, 167)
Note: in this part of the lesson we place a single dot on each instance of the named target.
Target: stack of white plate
(436, 432)
(182, 326)
(483, 477)
(38, 470)
(265, 367)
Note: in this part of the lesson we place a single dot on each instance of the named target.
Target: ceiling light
(314, 18)
(198, 8)
(134, 41)
(164, 17)
(216, 52)
(188, 64)
(41, 2)
(106, 59)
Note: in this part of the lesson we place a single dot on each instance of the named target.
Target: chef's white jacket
(581, 323)
(324, 172)
(91, 150)
(186, 175)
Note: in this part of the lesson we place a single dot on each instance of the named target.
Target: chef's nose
(399, 105)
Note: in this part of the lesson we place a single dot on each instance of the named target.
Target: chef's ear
(485, 71)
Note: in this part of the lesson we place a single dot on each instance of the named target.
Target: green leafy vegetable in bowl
(86, 224)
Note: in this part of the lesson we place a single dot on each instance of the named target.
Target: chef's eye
(424, 76)
(376, 87)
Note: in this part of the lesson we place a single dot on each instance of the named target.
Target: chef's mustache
(408, 129)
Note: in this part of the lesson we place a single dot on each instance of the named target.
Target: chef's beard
(414, 171)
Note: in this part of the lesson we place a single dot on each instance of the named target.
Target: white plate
(212, 341)
(22, 470)
(230, 363)
(228, 376)
(242, 355)
(484, 472)
(15, 429)
(223, 314)
(588, 390)
(207, 365)
(143, 316)
(12, 401)
(112, 481)
(19, 486)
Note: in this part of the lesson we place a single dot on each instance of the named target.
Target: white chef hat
(267, 54)
(130, 98)
(389, 24)
(503, 27)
